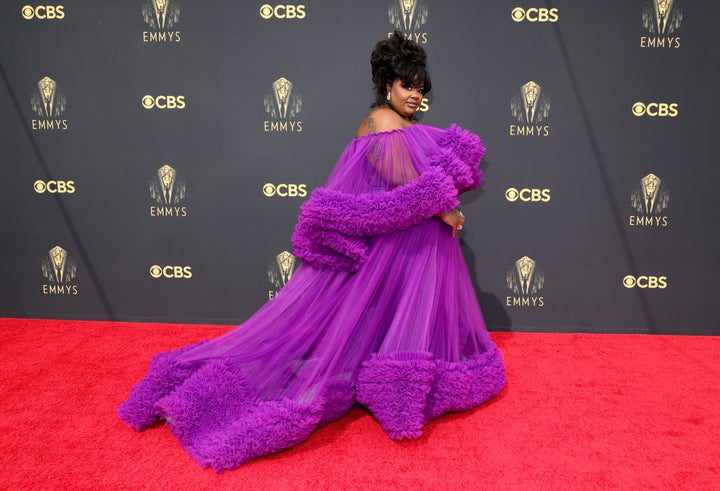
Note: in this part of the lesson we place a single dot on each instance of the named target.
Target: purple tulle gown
(381, 312)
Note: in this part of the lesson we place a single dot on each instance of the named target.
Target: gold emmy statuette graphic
(525, 278)
(166, 187)
(283, 102)
(58, 257)
(531, 106)
(282, 88)
(161, 14)
(47, 101)
(57, 267)
(47, 88)
(662, 17)
(281, 269)
(408, 15)
(530, 95)
(650, 197)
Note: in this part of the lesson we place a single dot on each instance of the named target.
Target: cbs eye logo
(659, 282)
(282, 11)
(43, 12)
(164, 102)
(654, 109)
(520, 14)
(527, 195)
(59, 187)
(181, 272)
(285, 190)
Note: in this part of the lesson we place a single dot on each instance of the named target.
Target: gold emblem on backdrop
(171, 272)
(527, 195)
(48, 101)
(408, 16)
(525, 278)
(282, 102)
(59, 269)
(535, 14)
(530, 106)
(168, 189)
(161, 14)
(662, 17)
(655, 109)
(43, 12)
(645, 281)
(268, 11)
(280, 270)
(650, 198)
(284, 190)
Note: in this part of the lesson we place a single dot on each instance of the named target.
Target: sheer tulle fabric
(398, 330)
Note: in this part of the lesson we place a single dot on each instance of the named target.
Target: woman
(381, 312)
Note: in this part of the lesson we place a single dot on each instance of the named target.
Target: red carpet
(581, 411)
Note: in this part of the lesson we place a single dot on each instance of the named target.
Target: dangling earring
(388, 96)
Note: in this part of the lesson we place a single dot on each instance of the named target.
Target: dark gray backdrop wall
(155, 153)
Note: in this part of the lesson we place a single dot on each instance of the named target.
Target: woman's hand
(454, 218)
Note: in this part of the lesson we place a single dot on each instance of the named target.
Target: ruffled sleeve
(332, 225)
(460, 154)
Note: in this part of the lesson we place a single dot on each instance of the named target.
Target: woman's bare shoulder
(380, 119)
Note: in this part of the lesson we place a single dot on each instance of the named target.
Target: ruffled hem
(406, 390)
(222, 423)
(164, 375)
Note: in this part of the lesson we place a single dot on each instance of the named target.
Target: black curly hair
(398, 57)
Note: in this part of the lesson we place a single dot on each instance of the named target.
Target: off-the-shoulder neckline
(387, 132)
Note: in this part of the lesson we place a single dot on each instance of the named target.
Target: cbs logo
(526, 195)
(654, 109)
(285, 190)
(519, 14)
(170, 271)
(59, 187)
(282, 11)
(43, 12)
(631, 281)
(164, 101)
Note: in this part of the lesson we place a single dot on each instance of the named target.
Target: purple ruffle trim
(460, 154)
(406, 390)
(459, 386)
(222, 423)
(217, 416)
(395, 388)
(164, 375)
(332, 226)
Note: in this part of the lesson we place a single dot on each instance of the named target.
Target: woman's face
(405, 99)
